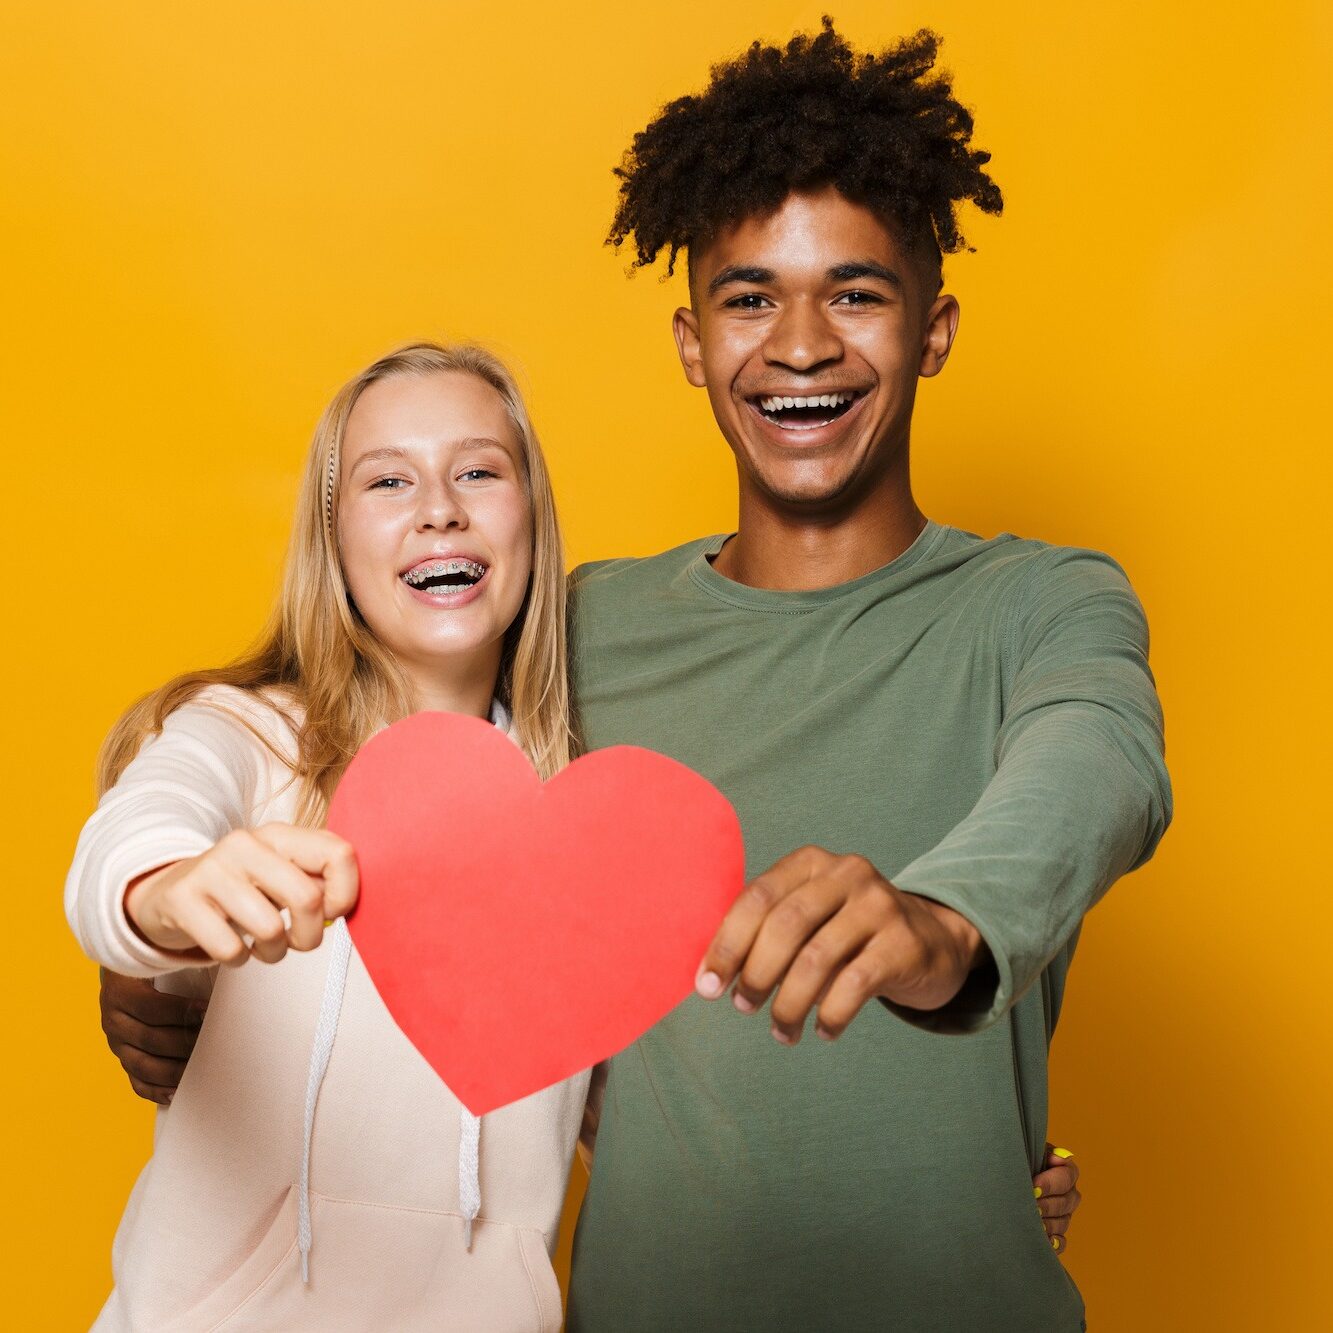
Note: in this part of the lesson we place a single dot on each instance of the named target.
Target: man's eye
(749, 301)
(858, 298)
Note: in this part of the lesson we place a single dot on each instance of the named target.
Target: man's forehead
(808, 236)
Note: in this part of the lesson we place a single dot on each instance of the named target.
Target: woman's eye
(476, 473)
(388, 484)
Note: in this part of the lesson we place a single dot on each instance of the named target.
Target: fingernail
(1062, 1152)
(1055, 1244)
(784, 1037)
(744, 1005)
(822, 1031)
(1036, 1191)
(709, 985)
(170, 1095)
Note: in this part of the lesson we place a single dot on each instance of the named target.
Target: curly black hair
(884, 129)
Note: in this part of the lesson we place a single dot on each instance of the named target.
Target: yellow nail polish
(1062, 1152)
(1055, 1243)
(1036, 1191)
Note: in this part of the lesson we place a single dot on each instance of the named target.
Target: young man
(943, 750)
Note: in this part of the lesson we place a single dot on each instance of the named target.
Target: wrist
(137, 894)
(968, 946)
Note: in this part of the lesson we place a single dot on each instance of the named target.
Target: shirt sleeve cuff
(127, 951)
(988, 991)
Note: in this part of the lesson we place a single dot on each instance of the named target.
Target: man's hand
(149, 1032)
(831, 931)
(1056, 1188)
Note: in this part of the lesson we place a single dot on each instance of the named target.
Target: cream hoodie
(209, 1238)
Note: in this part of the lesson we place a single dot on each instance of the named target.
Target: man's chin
(809, 494)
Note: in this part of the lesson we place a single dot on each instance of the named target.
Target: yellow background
(214, 213)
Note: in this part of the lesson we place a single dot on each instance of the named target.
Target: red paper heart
(519, 932)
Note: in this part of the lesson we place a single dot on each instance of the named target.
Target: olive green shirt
(978, 719)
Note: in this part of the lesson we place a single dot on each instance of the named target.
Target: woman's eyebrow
(378, 456)
(393, 452)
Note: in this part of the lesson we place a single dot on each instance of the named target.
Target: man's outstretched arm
(1080, 796)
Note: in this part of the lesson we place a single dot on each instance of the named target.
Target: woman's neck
(469, 693)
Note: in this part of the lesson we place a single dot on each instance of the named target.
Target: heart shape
(520, 931)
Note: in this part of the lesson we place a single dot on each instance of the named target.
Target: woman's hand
(239, 887)
(1056, 1188)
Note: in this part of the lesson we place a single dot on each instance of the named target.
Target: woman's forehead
(446, 407)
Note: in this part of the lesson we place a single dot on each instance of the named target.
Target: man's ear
(685, 327)
(941, 326)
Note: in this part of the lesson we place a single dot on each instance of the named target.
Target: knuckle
(761, 894)
(858, 977)
(723, 953)
(232, 953)
(814, 957)
(810, 859)
(271, 931)
(791, 916)
(309, 900)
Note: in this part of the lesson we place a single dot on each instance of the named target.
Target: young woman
(313, 1171)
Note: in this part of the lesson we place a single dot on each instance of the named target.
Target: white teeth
(778, 403)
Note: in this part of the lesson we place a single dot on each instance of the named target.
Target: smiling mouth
(807, 411)
(444, 575)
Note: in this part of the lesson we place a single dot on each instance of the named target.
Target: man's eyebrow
(741, 273)
(865, 268)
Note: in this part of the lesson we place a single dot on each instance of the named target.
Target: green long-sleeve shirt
(978, 719)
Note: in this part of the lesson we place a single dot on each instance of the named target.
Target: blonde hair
(319, 655)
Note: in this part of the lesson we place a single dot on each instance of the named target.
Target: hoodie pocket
(376, 1266)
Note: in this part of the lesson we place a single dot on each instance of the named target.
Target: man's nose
(802, 337)
(440, 507)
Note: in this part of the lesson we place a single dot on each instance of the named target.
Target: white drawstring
(325, 1031)
(469, 1182)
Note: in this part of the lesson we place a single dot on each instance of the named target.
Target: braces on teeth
(437, 569)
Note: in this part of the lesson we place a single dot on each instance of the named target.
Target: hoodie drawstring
(469, 1183)
(325, 1030)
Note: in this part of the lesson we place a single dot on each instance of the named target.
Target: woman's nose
(802, 338)
(440, 507)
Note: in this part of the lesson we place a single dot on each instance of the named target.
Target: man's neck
(783, 550)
